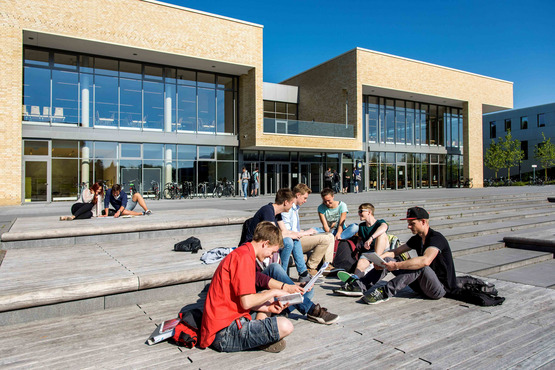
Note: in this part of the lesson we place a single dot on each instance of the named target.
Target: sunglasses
(363, 210)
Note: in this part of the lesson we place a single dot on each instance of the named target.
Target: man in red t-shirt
(227, 325)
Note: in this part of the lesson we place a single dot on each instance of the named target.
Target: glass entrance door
(36, 181)
(276, 177)
(401, 176)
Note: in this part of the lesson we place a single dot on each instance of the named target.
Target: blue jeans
(275, 271)
(245, 189)
(253, 334)
(295, 247)
(347, 233)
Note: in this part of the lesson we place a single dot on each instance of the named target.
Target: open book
(295, 298)
(312, 281)
(375, 259)
(162, 332)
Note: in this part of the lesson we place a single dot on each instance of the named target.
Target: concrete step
(496, 261)
(540, 274)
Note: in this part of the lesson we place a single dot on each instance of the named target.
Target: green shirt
(365, 231)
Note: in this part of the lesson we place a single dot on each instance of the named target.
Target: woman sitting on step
(87, 204)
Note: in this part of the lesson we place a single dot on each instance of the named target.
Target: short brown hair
(368, 206)
(325, 192)
(301, 189)
(284, 194)
(116, 187)
(266, 230)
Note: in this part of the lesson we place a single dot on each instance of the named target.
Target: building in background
(526, 125)
(142, 92)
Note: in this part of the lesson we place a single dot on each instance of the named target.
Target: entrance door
(401, 176)
(276, 177)
(36, 188)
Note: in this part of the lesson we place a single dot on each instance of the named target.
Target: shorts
(130, 205)
(252, 334)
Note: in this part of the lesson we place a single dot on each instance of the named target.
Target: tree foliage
(493, 159)
(545, 154)
(512, 152)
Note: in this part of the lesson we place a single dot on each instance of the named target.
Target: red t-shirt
(234, 277)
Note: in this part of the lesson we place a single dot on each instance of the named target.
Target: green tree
(545, 154)
(513, 153)
(494, 157)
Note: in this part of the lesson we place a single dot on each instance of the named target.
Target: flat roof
(523, 108)
(203, 13)
(403, 58)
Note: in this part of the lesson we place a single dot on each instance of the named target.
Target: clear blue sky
(510, 40)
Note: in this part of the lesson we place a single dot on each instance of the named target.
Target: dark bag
(345, 255)
(191, 244)
(244, 232)
(111, 212)
(187, 332)
(476, 291)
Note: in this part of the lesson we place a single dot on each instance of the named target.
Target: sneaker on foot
(330, 270)
(274, 347)
(305, 278)
(350, 290)
(148, 212)
(321, 315)
(377, 296)
(346, 277)
(314, 272)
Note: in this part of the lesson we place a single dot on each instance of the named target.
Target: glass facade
(61, 88)
(394, 121)
(75, 162)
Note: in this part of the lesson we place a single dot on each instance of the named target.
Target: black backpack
(244, 232)
(345, 255)
(190, 244)
(476, 291)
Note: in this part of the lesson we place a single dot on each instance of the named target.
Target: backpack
(244, 232)
(251, 180)
(476, 291)
(187, 332)
(190, 244)
(345, 255)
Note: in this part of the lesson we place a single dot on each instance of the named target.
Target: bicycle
(170, 190)
(155, 189)
(465, 183)
(132, 188)
(187, 190)
(228, 189)
(202, 189)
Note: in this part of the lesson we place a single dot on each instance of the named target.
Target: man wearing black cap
(431, 274)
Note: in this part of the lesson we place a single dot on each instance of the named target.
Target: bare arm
(286, 233)
(340, 225)
(381, 230)
(289, 288)
(414, 263)
(324, 222)
(260, 301)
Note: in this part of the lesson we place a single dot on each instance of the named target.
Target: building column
(85, 165)
(473, 158)
(168, 172)
(170, 93)
(85, 99)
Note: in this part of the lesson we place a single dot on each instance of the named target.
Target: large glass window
(492, 130)
(507, 125)
(541, 120)
(372, 119)
(390, 121)
(400, 126)
(106, 100)
(81, 89)
(410, 123)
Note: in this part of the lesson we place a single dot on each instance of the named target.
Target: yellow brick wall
(132, 23)
(323, 93)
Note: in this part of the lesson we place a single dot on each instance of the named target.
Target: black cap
(416, 213)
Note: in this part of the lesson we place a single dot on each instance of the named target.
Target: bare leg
(362, 265)
(130, 213)
(139, 199)
(285, 327)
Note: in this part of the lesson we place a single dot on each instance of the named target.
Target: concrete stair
(52, 268)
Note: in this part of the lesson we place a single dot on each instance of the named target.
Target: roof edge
(320, 64)
(433, 65)
(201, 12)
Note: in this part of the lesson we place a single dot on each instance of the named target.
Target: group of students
(87, 205)
(241, 311)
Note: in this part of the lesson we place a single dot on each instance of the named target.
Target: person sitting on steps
(123, 206)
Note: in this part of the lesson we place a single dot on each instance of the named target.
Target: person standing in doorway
(245, 177)
(346, 181)
(328, 178)
(255, 182)
(357, 177)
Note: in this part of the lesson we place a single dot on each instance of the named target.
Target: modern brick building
(139, 91)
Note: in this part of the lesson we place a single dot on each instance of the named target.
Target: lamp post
(534, 169)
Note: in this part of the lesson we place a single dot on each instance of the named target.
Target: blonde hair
(368, 206)
(301, 189)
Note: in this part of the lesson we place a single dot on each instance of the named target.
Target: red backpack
(187, 332)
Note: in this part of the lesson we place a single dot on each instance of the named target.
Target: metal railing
(312, 128)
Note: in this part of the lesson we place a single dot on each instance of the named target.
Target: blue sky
(509, 40)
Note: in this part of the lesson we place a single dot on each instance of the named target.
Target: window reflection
(81, 89)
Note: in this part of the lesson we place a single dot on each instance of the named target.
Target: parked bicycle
(202, 189)
(187, 190)
(224, 188)
(171, 191)
(155, 189)
(465, 183)
(132, 187)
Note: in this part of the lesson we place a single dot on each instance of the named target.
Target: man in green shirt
(373, 238)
